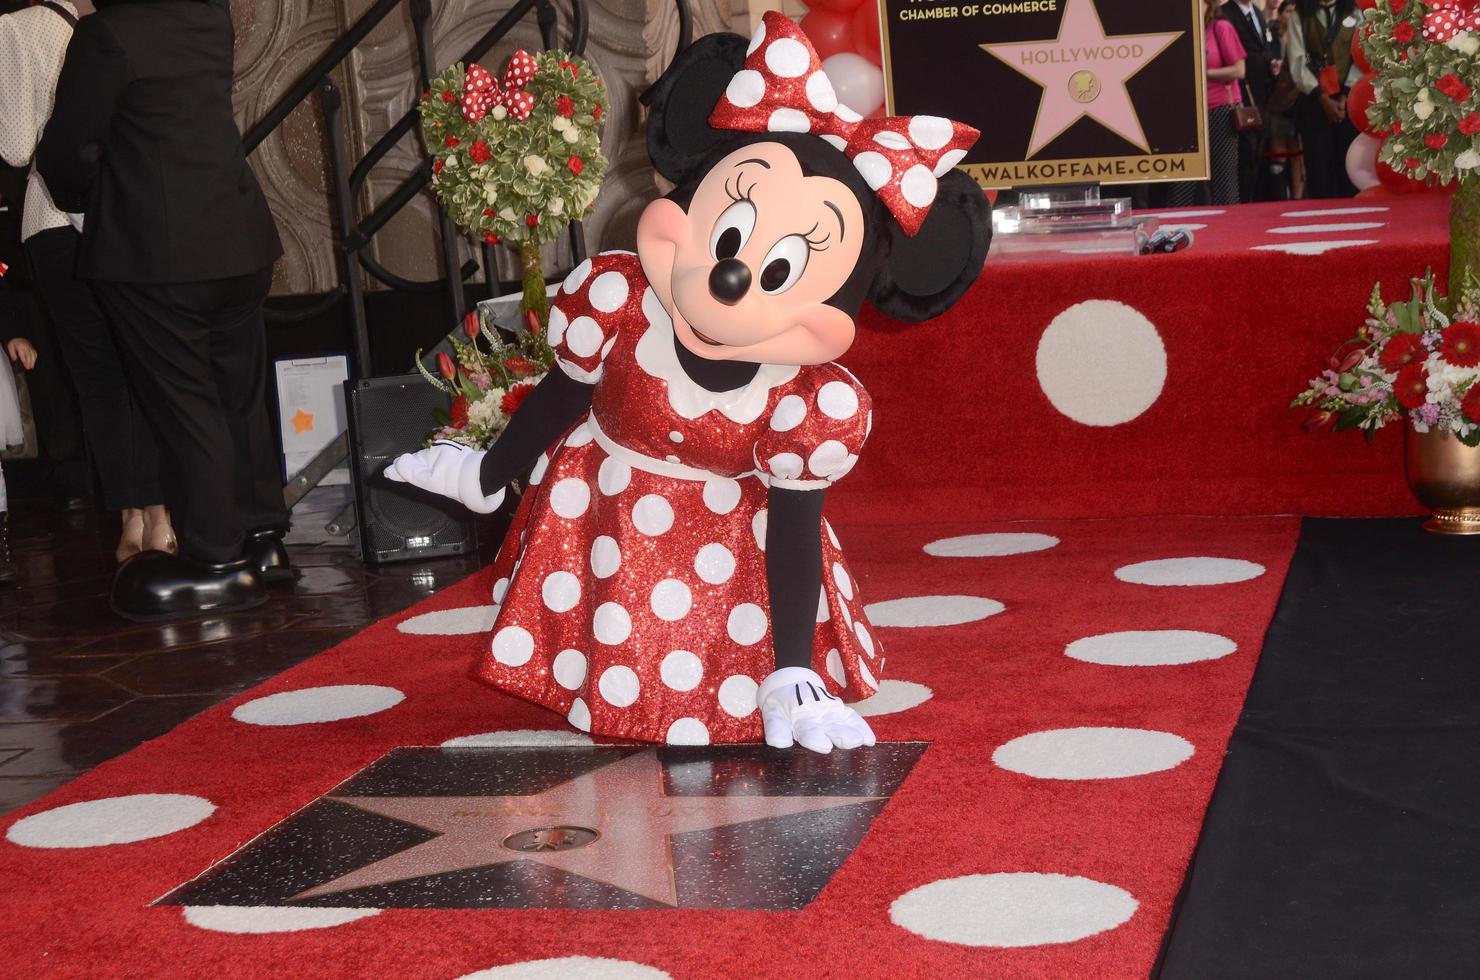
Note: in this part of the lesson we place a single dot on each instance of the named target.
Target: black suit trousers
(118, 436)
(197, 355)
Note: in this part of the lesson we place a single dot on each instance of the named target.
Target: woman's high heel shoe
(132, 541)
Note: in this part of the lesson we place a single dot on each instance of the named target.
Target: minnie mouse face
(789, 211)
(746, 272)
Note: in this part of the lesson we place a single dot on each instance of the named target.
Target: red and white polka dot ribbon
(1445, 21)
(782, 89)
(481, 91)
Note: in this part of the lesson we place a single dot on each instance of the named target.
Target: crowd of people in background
(1291, 60)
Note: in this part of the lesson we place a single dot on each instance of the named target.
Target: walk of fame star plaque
(606, 827)
(1063, 91)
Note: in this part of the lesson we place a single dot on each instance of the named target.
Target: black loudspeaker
(388, 417)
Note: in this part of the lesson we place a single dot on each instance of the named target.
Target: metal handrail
(354, 234)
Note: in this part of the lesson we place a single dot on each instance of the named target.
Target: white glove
(795, 707)
(450, 469)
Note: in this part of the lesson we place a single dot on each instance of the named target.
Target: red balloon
(1358, 101)
(1376, 190)
(1359, 56)
(866, 32)
(830, 32)
(1366, 4)
(836, 6)
(1397, 182)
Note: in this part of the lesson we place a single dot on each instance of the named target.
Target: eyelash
(736, 194)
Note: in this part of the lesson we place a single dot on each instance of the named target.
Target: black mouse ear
(928, 272)
(678, 132)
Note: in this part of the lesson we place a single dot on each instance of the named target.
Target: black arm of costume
(794, 571)
(554, 406)
(94, 76)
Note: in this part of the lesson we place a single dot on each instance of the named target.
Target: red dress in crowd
(632, 583)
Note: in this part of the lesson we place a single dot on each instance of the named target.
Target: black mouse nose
(729, 280)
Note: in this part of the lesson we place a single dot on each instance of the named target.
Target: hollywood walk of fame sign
(1064, 91)
(593, 828)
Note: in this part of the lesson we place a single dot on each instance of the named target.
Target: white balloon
(1361, 161)
(859, 83)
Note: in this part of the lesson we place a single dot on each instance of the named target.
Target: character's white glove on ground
(450, 469)
(795, 707)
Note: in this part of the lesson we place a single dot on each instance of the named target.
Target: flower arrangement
(1418, 359)
(487, 381)
(515, 159)
(1426, 103)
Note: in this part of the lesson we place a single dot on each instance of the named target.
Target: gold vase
(1444, 474)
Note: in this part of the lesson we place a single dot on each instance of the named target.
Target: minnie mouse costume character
(669, 576)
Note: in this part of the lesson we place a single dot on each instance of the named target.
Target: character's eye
(732, 230)
(784, 264)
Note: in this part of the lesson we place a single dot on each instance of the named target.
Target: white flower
(485, 411)
(555, 205)
(559, 123)
(1463, 42)
(1423, 109)
(571, 135)
(507, 214)
(499, 112)
(536, 165)
(1467, 160)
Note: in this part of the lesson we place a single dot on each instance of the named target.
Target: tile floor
(79, 685)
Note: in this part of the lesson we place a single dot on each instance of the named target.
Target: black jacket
(1257, 53)
(143, 140)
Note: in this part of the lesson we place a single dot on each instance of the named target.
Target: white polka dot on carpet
(315, 705)
(450, 622)
(893, 697)
(525, 737)
(995, 545)
(111, 820)
(261, 920)
(570, 968)
(1101, 363)
(1012, 909)
(1196, 570)
(1150, 648)
(932, 610)
(1092, 753)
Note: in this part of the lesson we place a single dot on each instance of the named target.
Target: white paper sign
(311, 410)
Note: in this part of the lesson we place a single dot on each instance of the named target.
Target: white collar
(657, 358)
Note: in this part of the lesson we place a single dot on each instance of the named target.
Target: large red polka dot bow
(1445, 21)
(782, 89)
(482, 92)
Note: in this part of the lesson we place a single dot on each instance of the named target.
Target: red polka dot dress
(632, 584)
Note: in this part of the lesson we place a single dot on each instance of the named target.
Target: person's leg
(1342, 137)
(58, 425)
(118, 436)
(239, 357)
(165, 334)
(1224, 157)
(1315, 138)
(1250, 164)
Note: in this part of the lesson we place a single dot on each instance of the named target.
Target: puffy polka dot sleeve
(816, 430)
(589, 310)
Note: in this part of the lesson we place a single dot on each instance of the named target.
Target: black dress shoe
(266, 552)
(156, 585)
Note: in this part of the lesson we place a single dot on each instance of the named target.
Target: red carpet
(1085, 869)
(964, 429)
